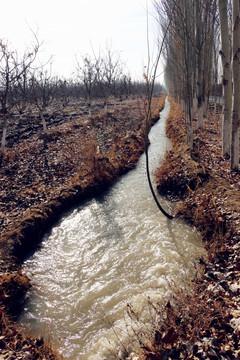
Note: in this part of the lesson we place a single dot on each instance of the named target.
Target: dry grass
(178, 328)
(197, 323)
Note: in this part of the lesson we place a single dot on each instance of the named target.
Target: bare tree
(225, 53)
(8, 75)
(190, 57)
(189, 53)
(111, 72)
(205, 15)
(124, 87)
(42, 90)
(62, 95)
(108, 73)
(11, 70)
(87, 73)
(200, 56)
(216, 74)
(19, 96)
(236, 84)
(180, 55)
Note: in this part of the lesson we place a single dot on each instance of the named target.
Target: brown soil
(43, 176)
(202, 322)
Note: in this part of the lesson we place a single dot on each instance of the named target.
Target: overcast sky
(69, 28)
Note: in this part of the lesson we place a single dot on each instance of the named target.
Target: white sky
(69, 27)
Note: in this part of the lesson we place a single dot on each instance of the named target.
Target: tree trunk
(199, 63)
(43, 122)
(236, 85)
(215, 103)
(227, 78)
(4, 135)
(89, 104)
(215, 83)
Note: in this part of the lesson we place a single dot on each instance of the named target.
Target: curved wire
(169, 216)
(148, 116)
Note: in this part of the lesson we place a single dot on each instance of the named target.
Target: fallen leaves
(211, 201)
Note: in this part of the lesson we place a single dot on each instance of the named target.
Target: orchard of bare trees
(28, 90)
(201, 50)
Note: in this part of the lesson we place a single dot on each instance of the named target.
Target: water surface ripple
(114, 249)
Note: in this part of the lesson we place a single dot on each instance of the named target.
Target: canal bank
(218, 286)
(113, 250)
(203, 322)
(42, 178)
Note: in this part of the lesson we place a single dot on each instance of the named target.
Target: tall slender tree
(236, 84)
(190, 58)
(227, 76)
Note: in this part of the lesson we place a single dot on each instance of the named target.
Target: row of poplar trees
(201, 49)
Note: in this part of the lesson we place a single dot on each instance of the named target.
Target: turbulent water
(113, 250)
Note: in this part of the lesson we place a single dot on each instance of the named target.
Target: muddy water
(113, 250)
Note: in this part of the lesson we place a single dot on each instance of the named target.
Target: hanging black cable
(150, 88)
(169, 216)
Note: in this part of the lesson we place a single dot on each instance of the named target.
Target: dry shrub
(16, 344)
(201, 211)
(179, 174)
(178, 328)
(13, 288)
(171, 178)
(157, 105)
(175, 124)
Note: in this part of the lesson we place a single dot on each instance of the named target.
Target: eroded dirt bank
(43, 176)
(204, 321)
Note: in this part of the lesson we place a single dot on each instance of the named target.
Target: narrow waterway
(112, 250)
